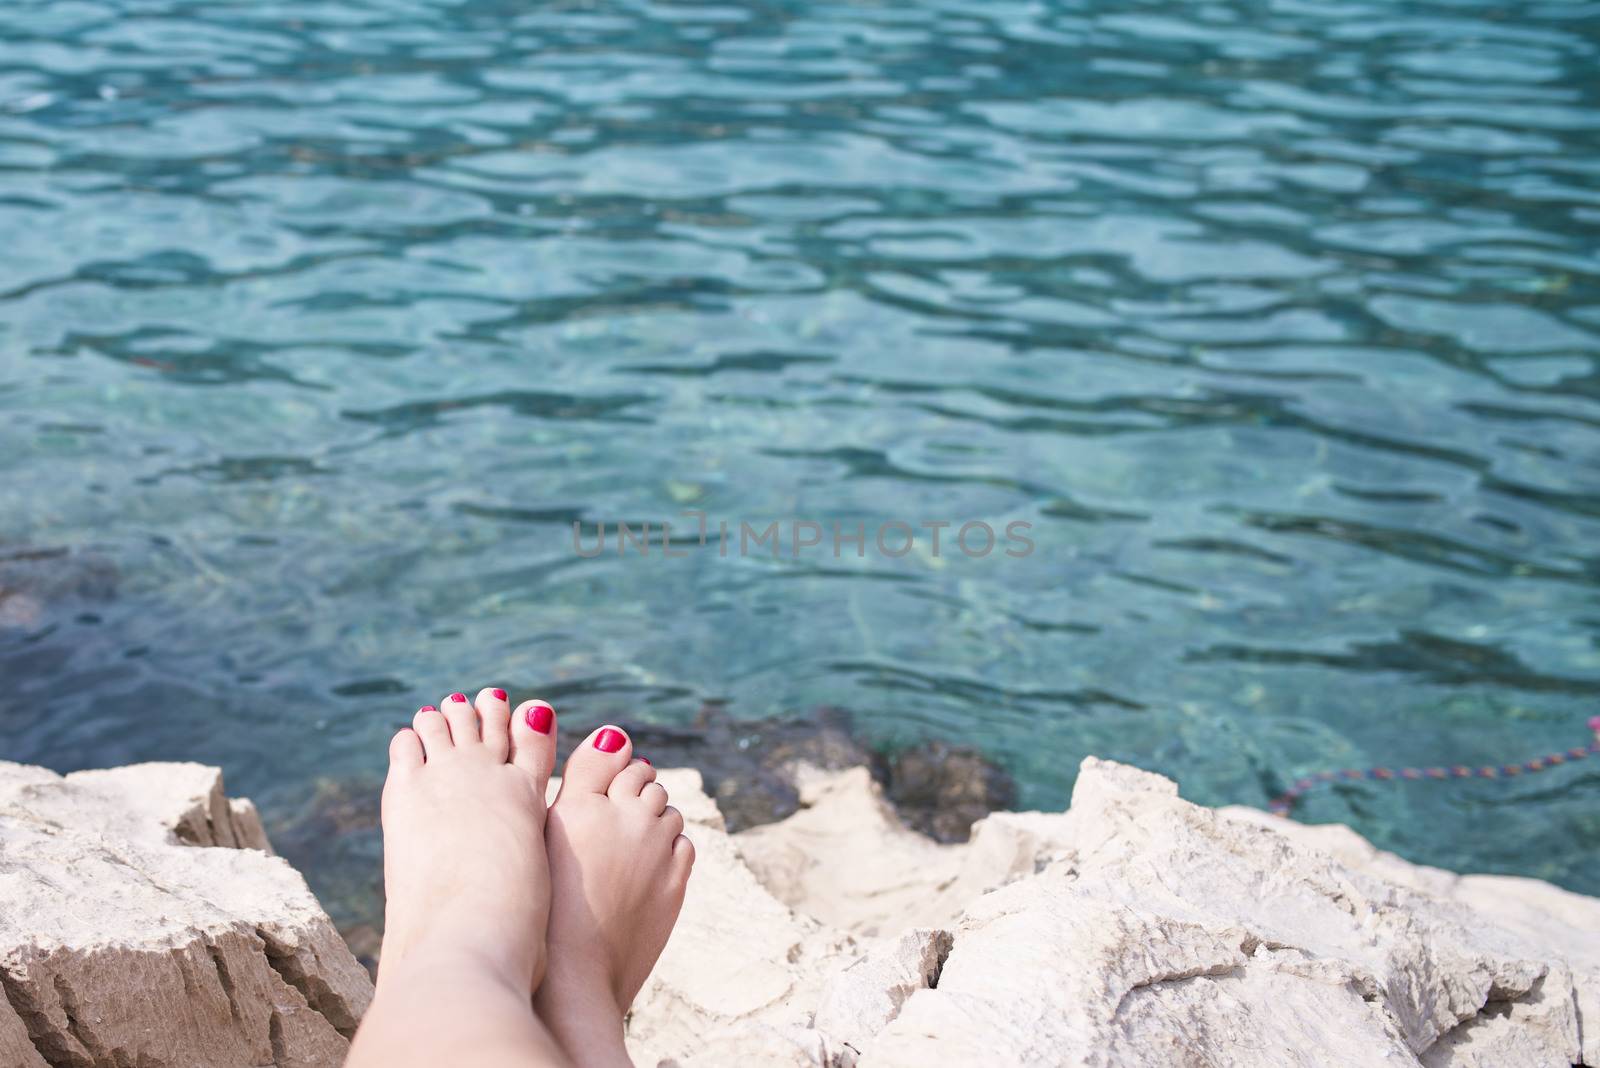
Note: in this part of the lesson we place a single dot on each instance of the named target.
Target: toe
(494, 722)
(463, 719)
(654, 796)
(682, 858)
(432, 729)
(597, 760)
(405, 750)
(631, 780)
(533, 741)
(672, 820)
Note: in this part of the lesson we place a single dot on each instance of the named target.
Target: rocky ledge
(1134, 929)
(144, 921)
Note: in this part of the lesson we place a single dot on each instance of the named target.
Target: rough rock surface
(141, 922)
(861, 1000)
(1134, 929)
(144, 921)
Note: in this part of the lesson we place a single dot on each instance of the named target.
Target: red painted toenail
(498, 695)
(645, 760)
(427, 708)
(539, 718)
(609, 741)
(459, 697)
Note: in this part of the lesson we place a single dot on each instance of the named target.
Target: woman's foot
(619, 864)
(464, 861)
(468, 887)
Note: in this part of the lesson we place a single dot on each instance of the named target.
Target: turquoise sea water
(321, 322)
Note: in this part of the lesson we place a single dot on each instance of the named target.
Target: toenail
(427, 708)
(539, 718)
(609, 741)
(459, 697)
(498, 695)
(646, 760)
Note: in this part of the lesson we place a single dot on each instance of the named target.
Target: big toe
(597, 760)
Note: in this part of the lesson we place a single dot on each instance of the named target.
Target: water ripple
(323, 322)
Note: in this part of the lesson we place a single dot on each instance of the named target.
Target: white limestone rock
(742, 971)
(866, 996)
(1140, 929)
(142, 921)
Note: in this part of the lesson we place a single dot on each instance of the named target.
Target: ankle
(580, 1008)
(441, 953)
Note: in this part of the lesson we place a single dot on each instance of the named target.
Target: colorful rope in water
(1284, 804)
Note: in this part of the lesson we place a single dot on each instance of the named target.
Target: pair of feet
(516, 934)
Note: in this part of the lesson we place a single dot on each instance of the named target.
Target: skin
(490, 898)
(620, 864)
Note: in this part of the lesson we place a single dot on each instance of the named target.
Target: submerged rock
(942, 790)
(35, 578)
(333, 834)
(144, 920)
(745, 765)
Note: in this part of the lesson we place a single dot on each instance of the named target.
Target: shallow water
(321, 322)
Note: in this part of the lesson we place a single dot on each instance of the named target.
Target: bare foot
(463, 837)
(468, 891)
(619, 864)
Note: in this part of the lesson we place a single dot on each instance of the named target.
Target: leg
(445, 1007)
(619, 865)
(468, 894)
